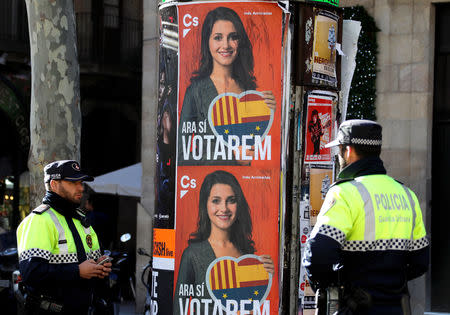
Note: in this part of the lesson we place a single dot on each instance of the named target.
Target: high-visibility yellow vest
(47, 235)
(372, 212)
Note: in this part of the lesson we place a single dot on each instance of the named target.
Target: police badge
(89, 240)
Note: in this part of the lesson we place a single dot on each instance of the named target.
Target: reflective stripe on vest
(413, 206)
(62, 241)
(369, 229)
(87, 230)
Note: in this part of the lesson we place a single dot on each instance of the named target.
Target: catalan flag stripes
(227, 274)
(228, 110)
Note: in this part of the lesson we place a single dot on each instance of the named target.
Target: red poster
(230, 85)
(318, 129)
(228, 158)
(256, 204)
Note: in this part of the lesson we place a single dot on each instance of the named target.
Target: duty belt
(50, 306)
(43, 302)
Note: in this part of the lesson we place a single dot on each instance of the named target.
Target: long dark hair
(241, 231)
(242, 67)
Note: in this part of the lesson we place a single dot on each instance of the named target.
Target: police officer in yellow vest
(369, 236)
(58, 249)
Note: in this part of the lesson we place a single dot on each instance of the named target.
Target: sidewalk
(128, 308)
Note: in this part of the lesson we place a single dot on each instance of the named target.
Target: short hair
(364, 151)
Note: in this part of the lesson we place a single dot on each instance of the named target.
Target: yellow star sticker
(224, 295)
(250, 299)
(258, 128)
(256, 292)
(227, 131)
(252, 134)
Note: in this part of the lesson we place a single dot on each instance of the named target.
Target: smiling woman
(224, 215)
(226, 66)
(223, 44)
(224, 228)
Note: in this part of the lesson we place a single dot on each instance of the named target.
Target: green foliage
(361, 101)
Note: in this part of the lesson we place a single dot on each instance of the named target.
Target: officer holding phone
(59, 253)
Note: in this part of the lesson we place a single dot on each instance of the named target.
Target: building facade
(109, 44)
(411, 106)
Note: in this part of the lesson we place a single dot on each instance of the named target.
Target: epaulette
(399, 182)
(340, 181)
(41, 209)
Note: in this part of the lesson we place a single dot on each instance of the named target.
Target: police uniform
(52, 241)
(370, 228)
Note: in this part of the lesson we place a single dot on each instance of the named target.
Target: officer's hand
(106, 268)
(268, 263)
(90, 269)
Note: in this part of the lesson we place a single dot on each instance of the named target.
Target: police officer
(369, 236)
(58, 249)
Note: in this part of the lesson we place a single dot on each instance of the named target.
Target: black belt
(51, 306)
(43, 302)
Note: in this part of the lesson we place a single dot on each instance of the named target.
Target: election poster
(324, 48)
(240, 203)
(318, 128)
(230, 83)
(229, 107)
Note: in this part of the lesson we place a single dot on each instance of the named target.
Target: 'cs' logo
(188, 22)
(187, 183)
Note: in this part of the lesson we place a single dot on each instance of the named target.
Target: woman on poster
(224, 228)
(226, 66)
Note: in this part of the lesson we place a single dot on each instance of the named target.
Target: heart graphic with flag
(240, 115)
(238, 279)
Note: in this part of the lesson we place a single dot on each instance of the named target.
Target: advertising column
(319, 43)
(229, 96)
(164, 219)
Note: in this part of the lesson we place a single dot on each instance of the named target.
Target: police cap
(358, 132)
(66, 170)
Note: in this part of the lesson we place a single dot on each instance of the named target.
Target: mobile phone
(104, 260)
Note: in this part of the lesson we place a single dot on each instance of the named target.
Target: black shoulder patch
(340, 181)
(41, 209)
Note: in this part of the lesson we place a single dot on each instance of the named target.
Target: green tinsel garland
(361, 101)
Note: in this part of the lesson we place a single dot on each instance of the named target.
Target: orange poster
(242, 203)
(230, 83)
(228, 157)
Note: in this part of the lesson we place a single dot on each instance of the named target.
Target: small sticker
(327, 205)
(75, 166)
(308, 30)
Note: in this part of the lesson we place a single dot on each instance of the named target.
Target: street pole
(150, 80)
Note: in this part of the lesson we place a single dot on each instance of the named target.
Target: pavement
(128, 308)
